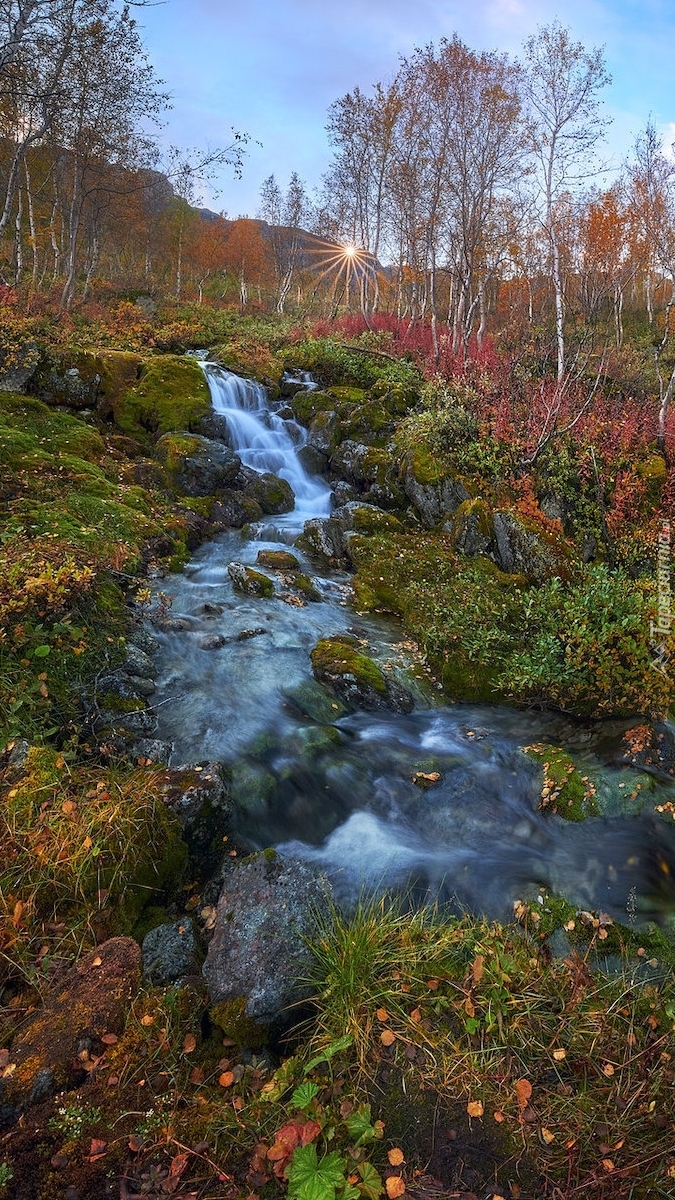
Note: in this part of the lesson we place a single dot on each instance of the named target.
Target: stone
(323, 538)
(434, 500)
(355, 678)
(519, 551)
(170, 952)
(273, 494)
(313, 461)
(233, 510)
(250, 582)
(91, 1000)
(195, 465)
(259, 952)
(215, 427)
(138, 662)
(199, 796)
(153, 749)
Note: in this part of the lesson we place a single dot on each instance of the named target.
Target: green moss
(278, 560)
(171, 394)
(230, 1016)
(564, 791)
(370, 521)
(303, 584)
(336, 657)
(477, 509)
(307, 405)
(654, 474)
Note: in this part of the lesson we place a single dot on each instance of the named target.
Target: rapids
(340, 792)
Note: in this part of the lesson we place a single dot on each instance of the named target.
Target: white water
(264, 440)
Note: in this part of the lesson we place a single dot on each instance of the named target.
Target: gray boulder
(259, 953)
(170, 952)
(521, 552)
(434, 500)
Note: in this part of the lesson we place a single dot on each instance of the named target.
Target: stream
(235, 685)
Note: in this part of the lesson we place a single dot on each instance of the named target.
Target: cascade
(265, 440)
(235, 685)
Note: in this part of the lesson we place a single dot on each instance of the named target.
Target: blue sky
(271, 68)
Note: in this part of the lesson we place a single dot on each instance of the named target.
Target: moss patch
(564, 790)
(171, 393)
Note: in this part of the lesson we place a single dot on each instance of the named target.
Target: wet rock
(355, 678)
(211, 610)
(199, 796)
(472, 529)
(92, 999)
(323, 538)
(259, 952)
(153, 749)
(343, 492)
(170, 952)
(214, 641)
(323, 432)
(116, 687)
(142, 687)
(195, 465)
(273, 494)
(138, 662)
(313, 461)
(252, 786)
(214, 426)
(139, 722)
(250, 582)
(233, 510)
(71, 379)
(278, 560)
(311, 700)
(143, 640)
(15, 755)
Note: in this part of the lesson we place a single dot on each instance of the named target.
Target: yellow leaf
(547, 1136)
(499, 1117)
(395, 1156)
(395, 1187)
(608, 1164)
(608, 1070)
(147, 1020)
(559, 1054)
(475, 1108)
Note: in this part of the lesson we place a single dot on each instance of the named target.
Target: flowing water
(236, 686)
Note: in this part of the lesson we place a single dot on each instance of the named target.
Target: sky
(272, 68)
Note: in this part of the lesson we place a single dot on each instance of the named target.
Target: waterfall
(265, 440)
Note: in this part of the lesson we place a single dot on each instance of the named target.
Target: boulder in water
(250, 582)
(355, 678)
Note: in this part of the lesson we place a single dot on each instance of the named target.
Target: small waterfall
(264, 440)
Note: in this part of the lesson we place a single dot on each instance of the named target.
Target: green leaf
(372, 1186)
(311, 1179)
(41, 651)
(342, 1043)
(304, 1094)
(360, 1127)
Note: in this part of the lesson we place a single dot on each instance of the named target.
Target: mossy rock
(250, 582)
(355, 678)
(278, 560)
(172, 393)
(564, 791)
(307, 406)
(472, 528)
(273, 494)
(195, 465)
(251, 363)
(368, 521)
(231, 1018)
(311, 700)
(303, 584)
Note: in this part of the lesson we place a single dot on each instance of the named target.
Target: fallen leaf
(478, 968)
(178, 1166)
(499, 1117)
(416, 1016)
(147, 1020)
(189, 1043)
(382, 1014)
(395, 1187)
(109, 1039)
(546, 1136)
(68, 807)
(387, 1037)
(475, 1108)
(523, 1092)
(608, 1070)
(608, 1164)
(432, 985)
(97, 1149)
(226, 1079)
(97, 962)
(559, 1054)
(396, 1157)
(196, 1075)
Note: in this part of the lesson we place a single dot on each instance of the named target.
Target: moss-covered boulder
(279, 560)
(250, 582)
(171, 393)
(355, 678)
(563, 790)
(233, 510)
(472, 529)
(195, 465)
(525, 550)
(272, 493)
(434, 493)
(70, 378)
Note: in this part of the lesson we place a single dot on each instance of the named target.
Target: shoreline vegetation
(440, 1054)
